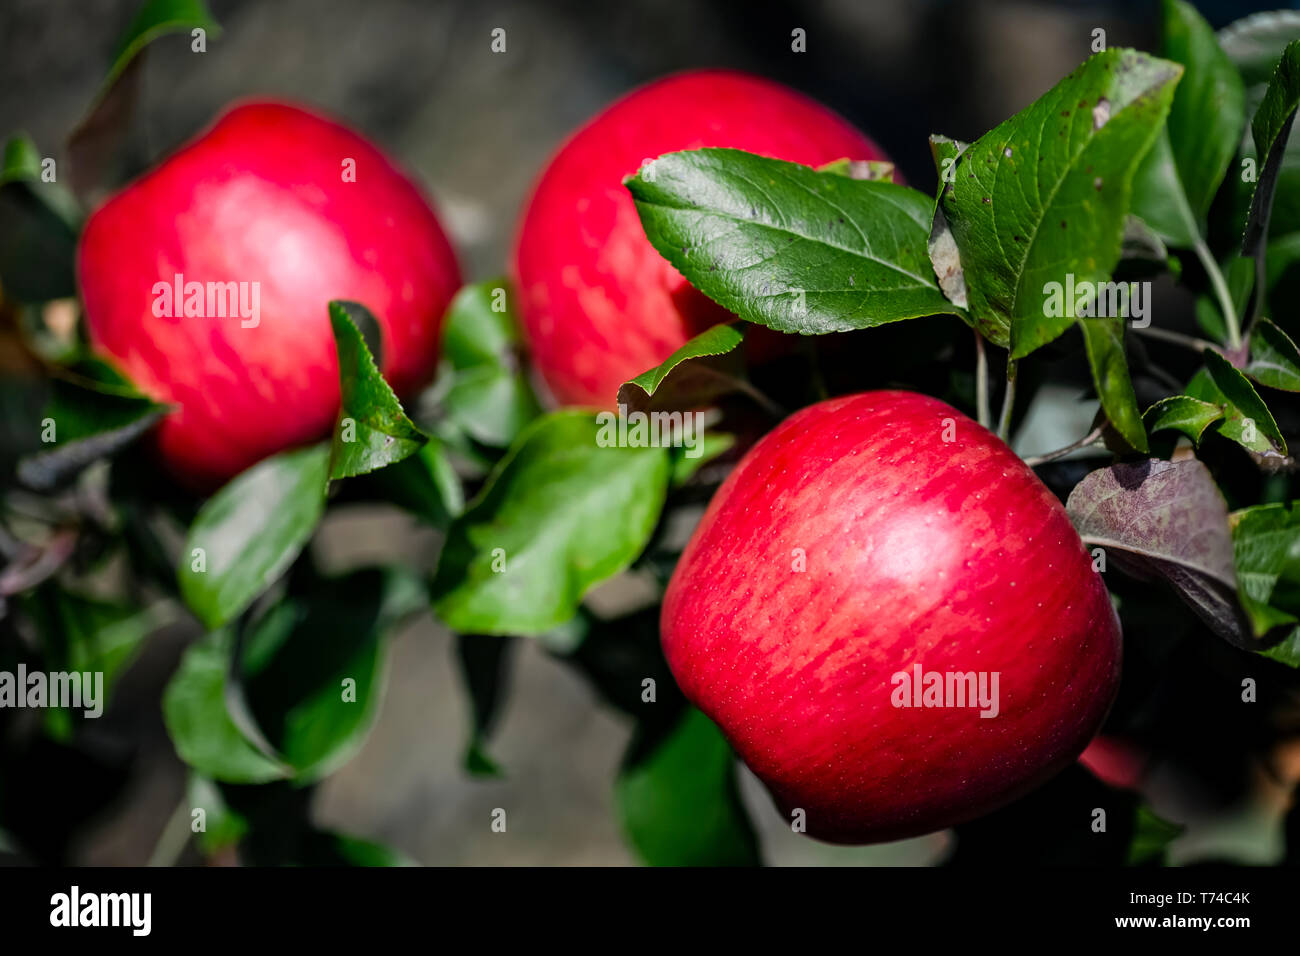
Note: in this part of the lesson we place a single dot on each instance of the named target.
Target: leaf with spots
(1045, 194)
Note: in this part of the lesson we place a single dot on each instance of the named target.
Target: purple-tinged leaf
(1166, 520)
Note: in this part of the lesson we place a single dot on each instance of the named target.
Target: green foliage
(372, 429)
(1046, 193)
(248, 533)
(679, 803)
(1247, 419)
(93, 412)
(1127, 158)
(1180, 176)
(558, 515)
(694, 376)
(486, 392)
(789, 247)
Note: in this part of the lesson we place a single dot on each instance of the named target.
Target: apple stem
(1008, 401)
(982, 383)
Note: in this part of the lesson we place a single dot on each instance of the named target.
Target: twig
(1177, 338)
(175, 836)
(1008, 401)
(1092, 438)
(1221, 293)
(981, 382)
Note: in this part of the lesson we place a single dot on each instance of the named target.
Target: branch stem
(982, 383)
(1221, 293)
(1092, 438)
(1176, 338)
(1008, 401)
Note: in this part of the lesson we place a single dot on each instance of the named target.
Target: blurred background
(476, 127)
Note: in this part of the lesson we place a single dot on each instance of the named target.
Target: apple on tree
(599, 306)
(208, 280)
(867, 558)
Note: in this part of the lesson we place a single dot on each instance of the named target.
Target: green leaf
(691, 383)
(310, 676)
(1270, 130)
(1159, 199)
(1151, 837)
(157, 18)
(860, 169)
(489, 395)
(21, 161)
(679, 804)
(1045, 194)
(1286, 651)
(1247, 419)
(97, 141)
(944, 150)
(1177, 181)
(83, 634)
(372, 431)
(1274, 358)
(1266, 548)
(1182, 413)
(93, 413)
(559, 514)
(250, 531)
(1104, 340)
(425, 484)
(1209, 109)
(39, 222)
(336, 849)
(788, 247)
(483, 660)
(314, 666)
(224, 826)
(1255, 43)
(199, 724)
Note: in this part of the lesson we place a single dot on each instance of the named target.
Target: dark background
(476, 127)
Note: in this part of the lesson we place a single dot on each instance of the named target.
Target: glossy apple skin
(261, 197)
(599, 305)
(948, 554)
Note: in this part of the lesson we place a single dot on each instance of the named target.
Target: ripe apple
(268, 215)
(867, 541)
(599, 305)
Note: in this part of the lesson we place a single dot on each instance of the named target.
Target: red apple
(599, 305)
(865, 540)
(296, 210)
